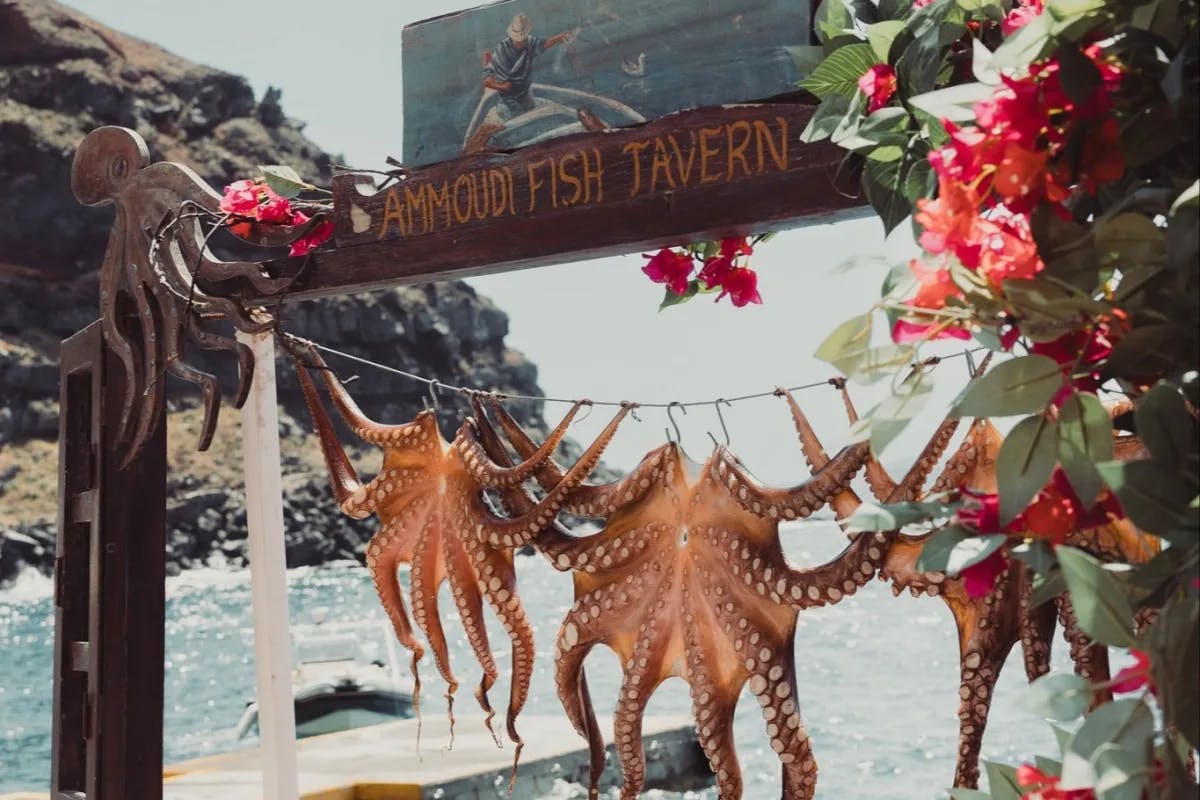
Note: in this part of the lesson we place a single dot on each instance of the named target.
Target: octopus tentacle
(575, 642)
(845, 502)
(773, 684)
(878, 480)
(387, 586)
(115, 338)
(643, 673)
(363, 426)
(844, 575)
(971, 465)
(149, 318)
(796, 502)
(245, 356)
(1091, 658)
(910, 486)
(588, 500)
(521, 530)
(493, 476)
(470, 608)
(425, 577)
(352, 497)
(210, 389)
(979, 670)
(1036, 625)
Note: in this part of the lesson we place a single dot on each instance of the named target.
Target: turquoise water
(878, 677)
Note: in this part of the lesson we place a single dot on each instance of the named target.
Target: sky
(592, 328)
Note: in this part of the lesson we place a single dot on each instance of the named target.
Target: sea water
(877, 676)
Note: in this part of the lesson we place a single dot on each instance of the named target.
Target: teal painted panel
(518, 72)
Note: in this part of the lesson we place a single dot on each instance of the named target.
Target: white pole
(268, 575)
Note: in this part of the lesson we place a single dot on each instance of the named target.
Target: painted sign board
(518, 72)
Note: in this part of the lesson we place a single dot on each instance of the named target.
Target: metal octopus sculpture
(429, 498)
(990, 626)
(687, 579)
(160, 287)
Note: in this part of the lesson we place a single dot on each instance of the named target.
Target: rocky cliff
(62, 75)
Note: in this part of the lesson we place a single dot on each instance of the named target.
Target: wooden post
(109, 590)
(268, 575)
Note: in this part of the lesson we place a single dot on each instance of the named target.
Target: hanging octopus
(990, 626)
(159, 284)
(429, 498)
(687, 579)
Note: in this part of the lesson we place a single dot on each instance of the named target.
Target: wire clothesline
(435, 385)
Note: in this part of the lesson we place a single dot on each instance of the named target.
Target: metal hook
(678, 437)
(431, 404)
(970, 362)
(590, 407)
(721, 417)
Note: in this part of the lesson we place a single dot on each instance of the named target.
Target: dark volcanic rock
(62, 75)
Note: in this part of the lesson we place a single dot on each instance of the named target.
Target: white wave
(29, 586)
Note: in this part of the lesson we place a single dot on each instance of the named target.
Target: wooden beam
(690, 176)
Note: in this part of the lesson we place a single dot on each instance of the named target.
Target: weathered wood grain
(690, 176)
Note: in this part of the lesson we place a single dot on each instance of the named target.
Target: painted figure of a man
(509, 71)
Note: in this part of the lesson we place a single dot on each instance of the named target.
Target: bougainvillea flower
(671, 267)
(1084, 348)
(313, 239)
(1103, 159)
(1016, 112)
(1038, 785)
(948, 220)
(1006, 249)
(934, 285)
(978, 579)
(879, 85)
(1131, 679)
(734, 246)
(274, 208)
(1023, 12)
(1051, 516)
(241, 198)
(904, 332)
(741, 284)
(1023, 179)
(963, 156)
(1106, 508)
(715, 270)
(981, 512)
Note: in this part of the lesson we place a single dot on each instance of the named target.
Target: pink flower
(904, 332)
(1133, 678)
(715, 270)
(879, 84)
(274, 209)
(313, 239)
(670, 267)
(741, 284)
(241, 198)
(981, 513)
(978, 579)
(1023, 12)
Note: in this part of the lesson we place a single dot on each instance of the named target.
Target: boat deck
(382, 763)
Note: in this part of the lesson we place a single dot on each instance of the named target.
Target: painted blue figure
(509, 70)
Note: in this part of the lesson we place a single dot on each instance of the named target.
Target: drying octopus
(687, 579)
(159, 284)
(990, 626)
(429, 498)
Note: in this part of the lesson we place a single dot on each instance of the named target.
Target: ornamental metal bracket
(161, 288)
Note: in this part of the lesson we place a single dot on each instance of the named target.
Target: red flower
(1087, 347)
(1006, 249)
(741, 284)
(981, 513)
(670, 267)
(948, 220)
(1023, 180)
(904, 332)
(241, 198)
(879, 84)
(736, 246)
(1051, 516)
(934, 286)
(275, 209)
(978, 579)
(1021, 15)
(962, 158)
(1133, 678)
(1039, 785)
(313, 239)
(715, 270)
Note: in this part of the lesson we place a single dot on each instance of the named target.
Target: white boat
(343, 679)
(557, 111)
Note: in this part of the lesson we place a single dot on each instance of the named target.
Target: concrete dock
(381, 763)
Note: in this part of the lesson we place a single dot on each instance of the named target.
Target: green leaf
(1047, 587)
(1070, 9)
(955, 103)
(1048, 765)
(1126, 724)
(1085, 437)
(1174, 644)
(889, 419)
(1058, 697)
(1079, 74)
(1121, 773)
(1025, 46)
(1018, 386)
(881, 35)
(953, 549)
(1153, 497)
(1024, 464)
(673, 299)
(1166, 427)
(1102, 610)
(1128, 239)
(848, 344)
(839, 73)
(284, 180)
(883, 181)
(981, 64)
(887, 126)
(1002, 781)
(894, 516)
(832, 20)
(827, 118)
(968, 794)
(1036, 553)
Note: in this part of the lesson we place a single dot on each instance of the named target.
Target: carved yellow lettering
(461, 182)
(534, 183)
(685, 171)
(393, 211)
(635, 149)
(480, 199)
(512, 191)
(438, 200)
(737, 151)
(660, 161)
(593, 173)
(762, 134)
(497, 191)
(416, 199)
(707, 152)
(568, 179)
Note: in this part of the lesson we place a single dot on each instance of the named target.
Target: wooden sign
(519, 72)
(690, 176)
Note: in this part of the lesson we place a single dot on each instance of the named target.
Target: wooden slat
(690, 176)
